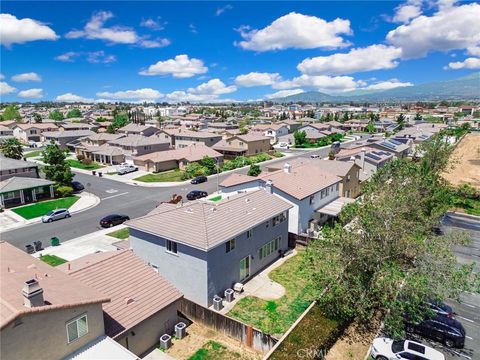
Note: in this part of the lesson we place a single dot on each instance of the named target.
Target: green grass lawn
(41, 208)
(77, 164)
(166, 176)
(213, 350)
(53, 260)
(216, 198)
(276, 316)
(34, 153)
(121, 234)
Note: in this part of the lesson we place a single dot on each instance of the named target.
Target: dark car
(440, 308)
(112, 220)
(196, 194)
(199, 180)
(441, 328)
(77, 186)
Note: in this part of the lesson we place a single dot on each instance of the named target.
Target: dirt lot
(467, 168)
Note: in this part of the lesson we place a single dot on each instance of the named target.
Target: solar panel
(393, 141)
(371, 156)
(388, 145)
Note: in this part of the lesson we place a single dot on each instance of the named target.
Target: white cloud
(68, 56)
(474, 50)
(182, 96)
(151, 44)
(180, 67)
(25, 77)
(469, 63)
(284, 93)
(321, 83)
(222, 9)
(140, 94)
(257, 79)
(373, 57)
(19, 31)
(389, 84)
(193, 29)
(213, 87)
(154, 24)
(69, 97)
(2, 76)
(408, 11)
(449, 29)
(6, 89)
(31, 94)
(97, 57)
(296, 31)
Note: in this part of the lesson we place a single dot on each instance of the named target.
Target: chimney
(32, 294)
(287, 168)
(269, 186)
(362, 158)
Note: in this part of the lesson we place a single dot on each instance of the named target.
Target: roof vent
(287, 168)
(247, 200)
(189, 210)
(128, 301)
(32, 294)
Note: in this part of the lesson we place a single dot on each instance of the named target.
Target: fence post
(249, 336)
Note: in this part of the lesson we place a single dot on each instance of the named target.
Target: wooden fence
(235, 329)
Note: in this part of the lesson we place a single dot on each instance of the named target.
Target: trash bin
(180, 330)
(100, 174)
(217, 303)
(55, 241)
(37, 245)
(29, 249)
(93, 172)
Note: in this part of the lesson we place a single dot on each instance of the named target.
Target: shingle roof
(204, 225)
(18, 183)
(10, 164)
(59, 289)
(135, 289)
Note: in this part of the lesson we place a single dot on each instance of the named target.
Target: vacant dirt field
(467, 168)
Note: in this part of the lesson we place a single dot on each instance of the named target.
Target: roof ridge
(205, 224)
(116, 253)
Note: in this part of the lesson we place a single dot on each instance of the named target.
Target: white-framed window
(279, 218)
(326, 191)
(312, 199)
(77, 328)
(9, 195)
(171, 246)
(269, 247)
(249, 233)
(229, 245)
(323, 194)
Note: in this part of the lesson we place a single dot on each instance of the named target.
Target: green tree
(56, 115)
(209, 164)
(254, 170)
(194, 169)
(418, 117)
(401, 121)
(120, 120)
(370, 126)
(57, 169)
(243, 131)
(74, 113)
(12, 149)
(300, 137)
(37, 117)
(11, 113)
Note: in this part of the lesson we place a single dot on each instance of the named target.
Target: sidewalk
(88, 244)
(10, 220)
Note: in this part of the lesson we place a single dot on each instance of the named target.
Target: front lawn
(121, 234)
(276, 316)
(41, 208)
(77, 164)
(165, 176)
(34, 153)
(213, 350)
(52, 260)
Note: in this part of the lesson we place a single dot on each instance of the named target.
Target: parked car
(112, 220)
(125, 168)
(314, 156)
(441, 328)
(199, 180)
(283, 144)
(440, 308)
(196, 194)
(56, 215)
(386, 349)
(77, 186)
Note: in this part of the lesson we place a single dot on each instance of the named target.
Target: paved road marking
(110, 197)
(461, 317)
(469, 305)
(111, 191)
(468, 337)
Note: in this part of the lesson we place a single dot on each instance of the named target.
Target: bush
(64, 191)
(80, 157)
(86, 161)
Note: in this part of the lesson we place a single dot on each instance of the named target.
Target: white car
(389, 349)
(283, 144)
(126, 168)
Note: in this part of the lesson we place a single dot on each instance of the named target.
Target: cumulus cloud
(284, 93)
(222, 9)
(296, 31)
(213, 87)
(68, 56)
(96, 57)
(26, 77)
(469, 63)
(154, 24)
(69, 97)
(5, 88)
(321, 83)
(157, 43)
(474, 50)
(31, 94)
(183, 96)
(373, 57)
(257, 79)
(2, 77)
(389, 84)
(180, 67)
(139, 94)
(19, 31)
(448, 29)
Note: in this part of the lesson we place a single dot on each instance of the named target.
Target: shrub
(86, 161)
(80, 157)
(64, 191)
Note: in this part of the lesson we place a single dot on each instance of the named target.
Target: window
(77, 328)
(323, 194)
(326, 191)
(249, 233)
(336, 187)
(348, 178)
(9, 195)
(230, 245)
(147, 148)
(269, 248)
(171, 246)
(312, 199)
(279, 219)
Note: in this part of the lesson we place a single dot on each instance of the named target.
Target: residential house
(136, 145)
(18, 168)
(143, 304)
(176, 158)
(183, 138)
(204, 247)
(76, 126)
(292, 125)
(16, 191)
(138, 129)
(6, 131)
(243, 145)
(399, 149)
(32, 132)
(63, 138)
(272, 131)
(368, 158)
(96, 148)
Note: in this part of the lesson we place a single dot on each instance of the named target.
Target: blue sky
(209, 51)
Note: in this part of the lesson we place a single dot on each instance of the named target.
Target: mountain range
(464, 88)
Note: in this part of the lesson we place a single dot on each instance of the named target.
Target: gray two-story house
(205, 247)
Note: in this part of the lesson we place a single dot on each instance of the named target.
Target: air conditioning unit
(217, 303)
(229, 295)
(180, 330)
(238, 287)
(165, 341)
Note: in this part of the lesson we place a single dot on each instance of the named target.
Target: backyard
(213, 350)
(165, 176)
(79, 165)
(41, 208)
(121, 234)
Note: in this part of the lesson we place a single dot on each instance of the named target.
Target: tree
(254, 170)
(300, 137)
(37, 117)
(11, 113)
(388, 260)
(12, 149)
(209, 164)
(331, 155)
(401, 121)
(55, 115)
(345, 116)
(57, 169)
(418, 117)
(370, 126)
(74, 113)
(243, 131)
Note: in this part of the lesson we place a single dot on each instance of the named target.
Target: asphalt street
(117, 197)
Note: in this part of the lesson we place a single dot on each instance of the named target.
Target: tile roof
(10, 164)
(132, 127)
(338, 168)
(194, 152)
(59, 290)
(19, 183)
(135, 289)
(138, 140)
(204, 225)
(37, 126)
(68, 133)
(192, 134)
(238, 179)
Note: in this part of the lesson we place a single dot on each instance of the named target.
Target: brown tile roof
(132, 127)
(194, 152)
(40, 126)
(138, 140)
(338, 168)
(237, 179)
(193, 134)
(252, 137)
(204, 225)
(136, 290)
(263, 127)
(59, 290)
